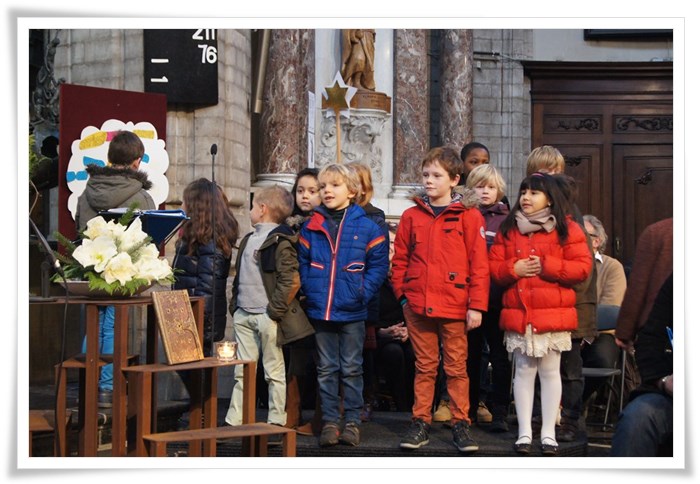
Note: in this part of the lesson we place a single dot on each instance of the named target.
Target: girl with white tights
(538, 255)
(526, 369)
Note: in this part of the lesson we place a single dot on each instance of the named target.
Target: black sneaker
(462, 438)
(351, 434)
(329, 434)
(416, 436)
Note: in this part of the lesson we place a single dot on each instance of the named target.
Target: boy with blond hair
(266, 314)
(490, 187)
(545, 159)
(343, 260)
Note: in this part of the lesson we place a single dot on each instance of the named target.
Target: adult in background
(645, 428)
(611, 283)
(653, 263)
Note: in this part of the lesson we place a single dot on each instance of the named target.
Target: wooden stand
(87, 433)
(203, 405)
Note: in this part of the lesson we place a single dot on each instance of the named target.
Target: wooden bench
(257, 433)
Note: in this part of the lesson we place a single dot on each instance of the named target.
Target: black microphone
(47, 248)
(213, 149)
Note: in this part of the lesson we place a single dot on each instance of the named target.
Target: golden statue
(358, 58)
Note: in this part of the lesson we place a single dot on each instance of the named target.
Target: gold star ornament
(336, 97)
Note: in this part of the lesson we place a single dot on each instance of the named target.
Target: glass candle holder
(226, 350)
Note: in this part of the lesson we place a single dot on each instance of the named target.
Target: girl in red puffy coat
(539, 254)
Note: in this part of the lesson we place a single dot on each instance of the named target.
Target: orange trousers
(426, 334)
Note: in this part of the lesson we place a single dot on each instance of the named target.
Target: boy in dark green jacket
(266, 314)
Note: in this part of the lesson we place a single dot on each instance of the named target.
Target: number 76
(208, 53)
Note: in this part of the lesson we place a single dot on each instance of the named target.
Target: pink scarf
(540, 220)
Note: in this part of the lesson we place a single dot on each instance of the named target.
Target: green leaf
(129, 215)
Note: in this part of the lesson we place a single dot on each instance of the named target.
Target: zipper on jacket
(334, 262)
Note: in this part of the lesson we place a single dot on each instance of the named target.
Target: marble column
(284, 120)
(411, 103)
(456, 93)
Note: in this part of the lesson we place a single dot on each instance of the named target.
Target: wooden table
(87, 434)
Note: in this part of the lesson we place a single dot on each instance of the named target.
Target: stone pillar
(456, 94)
(284, 121)
(411, 103)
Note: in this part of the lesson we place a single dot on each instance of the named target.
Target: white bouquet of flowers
(116, 257)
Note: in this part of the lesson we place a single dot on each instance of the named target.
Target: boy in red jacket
(441, 276)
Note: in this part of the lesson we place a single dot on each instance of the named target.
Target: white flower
(119, 268)
(152, 269)
(132, 236)
(149, 251)
(96, 252)
(105, 250)
(98, 227)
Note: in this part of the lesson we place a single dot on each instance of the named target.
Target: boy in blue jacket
(343, 261)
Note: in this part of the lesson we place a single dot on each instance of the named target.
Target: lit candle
(226, 350)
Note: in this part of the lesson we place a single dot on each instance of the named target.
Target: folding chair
(606, 320)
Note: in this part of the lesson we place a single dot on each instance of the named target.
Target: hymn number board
(182, 64)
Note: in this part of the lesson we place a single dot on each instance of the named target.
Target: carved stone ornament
(359, 142)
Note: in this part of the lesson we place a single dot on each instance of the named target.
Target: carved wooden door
(614, 126)
(643, 187)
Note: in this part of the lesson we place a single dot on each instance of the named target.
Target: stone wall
(501, 116)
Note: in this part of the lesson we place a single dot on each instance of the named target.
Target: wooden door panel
(614, 124)
(583, 163)
(643, 193)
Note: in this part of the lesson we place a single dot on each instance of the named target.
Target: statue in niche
(358, 58)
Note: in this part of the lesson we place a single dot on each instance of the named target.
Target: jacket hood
(296, 220)
(110, 187)
(466, 196)
(498, 208)
(283, 229)
(95, 170)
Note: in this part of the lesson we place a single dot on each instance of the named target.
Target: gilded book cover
(177, 326)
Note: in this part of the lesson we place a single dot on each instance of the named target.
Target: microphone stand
(213, 150)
